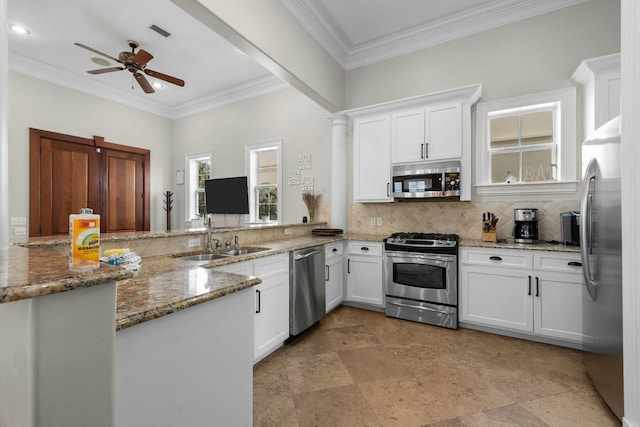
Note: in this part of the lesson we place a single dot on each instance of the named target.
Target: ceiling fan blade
(165, 77)
(105, 70)
(97, 51)
(144, 83)
(142, 57)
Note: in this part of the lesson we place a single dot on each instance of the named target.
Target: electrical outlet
(18, 220)
(194, 243)
(373, 222)
(379, 221)
(19, 231)
(287, 231)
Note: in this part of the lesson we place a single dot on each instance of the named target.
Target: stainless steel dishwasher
(306, 289)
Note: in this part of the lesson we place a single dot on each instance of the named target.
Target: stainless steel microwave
(414, 181)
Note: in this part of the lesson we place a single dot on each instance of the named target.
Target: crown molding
(495, 13)
(315, 18)
(229, 95)
(84, 84)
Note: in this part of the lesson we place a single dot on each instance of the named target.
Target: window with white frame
(527, 144)
(263, 167)
(198, 168)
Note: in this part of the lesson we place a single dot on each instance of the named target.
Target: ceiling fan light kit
(135, 63)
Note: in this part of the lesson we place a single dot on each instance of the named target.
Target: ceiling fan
(136, 63)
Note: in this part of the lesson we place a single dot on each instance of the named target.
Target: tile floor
(360, 368)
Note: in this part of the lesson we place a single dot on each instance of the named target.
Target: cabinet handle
(529, 292)
(426, 150)
(575, 263)
(388, 189)
(258, 309)
(334, 250)
(495, 258)
(364, 248)
(348, 265)
(422, 151)
(327, 271)
(537, 287)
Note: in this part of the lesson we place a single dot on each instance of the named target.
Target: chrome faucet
(227, 242)
(236, 241)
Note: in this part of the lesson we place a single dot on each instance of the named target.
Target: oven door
(422, 277)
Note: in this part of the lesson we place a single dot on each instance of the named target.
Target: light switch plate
(18, 220)
(19, 231)
(287, 231)
(194, 243)
(373, 221)
(379, 221)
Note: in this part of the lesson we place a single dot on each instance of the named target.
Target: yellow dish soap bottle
(84, 233)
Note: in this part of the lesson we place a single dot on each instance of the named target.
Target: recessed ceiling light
(157, 85)
(19, 29)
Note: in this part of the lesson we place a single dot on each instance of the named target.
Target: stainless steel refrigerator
(601, 249)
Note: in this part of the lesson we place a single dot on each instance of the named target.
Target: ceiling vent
(160, 31)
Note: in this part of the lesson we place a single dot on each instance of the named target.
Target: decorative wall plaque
(294, 177)
(305, 161)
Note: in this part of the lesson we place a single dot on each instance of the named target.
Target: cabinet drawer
(513, 258)
(334, 250)
(365, 248)
(564, 262)
(271, 266)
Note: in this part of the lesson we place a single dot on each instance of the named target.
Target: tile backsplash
(462, 218)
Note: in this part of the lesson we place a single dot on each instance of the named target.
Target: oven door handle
(434, 260)
(448, 311)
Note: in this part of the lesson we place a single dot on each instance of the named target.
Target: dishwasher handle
(298, 257)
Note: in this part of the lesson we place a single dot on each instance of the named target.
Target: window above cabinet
(527, 144)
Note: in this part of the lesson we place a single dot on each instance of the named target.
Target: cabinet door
(407, 136)
(443, 134)
(271, 321)
(333, 282)
(496, 297)
(364, 280)
(372, 159)
(559, 300)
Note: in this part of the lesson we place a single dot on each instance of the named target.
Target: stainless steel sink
(242, 251)
(218, 255)
(202, 257)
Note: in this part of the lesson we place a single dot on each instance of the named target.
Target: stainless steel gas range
(421, 273)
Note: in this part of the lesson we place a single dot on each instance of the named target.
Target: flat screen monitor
(227, 195)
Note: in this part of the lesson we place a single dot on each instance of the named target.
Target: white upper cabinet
(372, 159)
(425, 134)
(432, 127)
(600, 78)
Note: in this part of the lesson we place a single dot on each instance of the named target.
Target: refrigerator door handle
(586, 228)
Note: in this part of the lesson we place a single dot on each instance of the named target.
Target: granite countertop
(510, 244)
(165, 284)
(30, 273)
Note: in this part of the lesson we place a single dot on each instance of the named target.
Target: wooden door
(68, 173)
(122, 195)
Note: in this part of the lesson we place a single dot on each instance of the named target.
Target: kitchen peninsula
(63, 346)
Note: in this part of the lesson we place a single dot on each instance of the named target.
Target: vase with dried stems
(312, 201)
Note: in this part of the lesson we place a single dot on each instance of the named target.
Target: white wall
(530, 56)
(286, 114)
(34, 103)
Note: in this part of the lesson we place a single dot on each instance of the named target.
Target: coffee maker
(525, 229)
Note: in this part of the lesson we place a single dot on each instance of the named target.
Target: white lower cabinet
(534, 292)
(364, 273)
(334, 271)
(271, 319)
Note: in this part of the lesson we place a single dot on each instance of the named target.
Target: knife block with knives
(489, 222)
